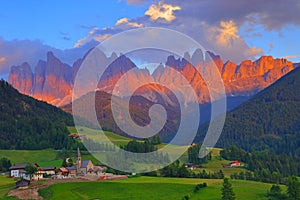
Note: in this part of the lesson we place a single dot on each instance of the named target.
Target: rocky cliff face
(21, 77)
(250, 77)
(52, 80)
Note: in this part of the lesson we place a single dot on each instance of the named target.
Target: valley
(150, 99)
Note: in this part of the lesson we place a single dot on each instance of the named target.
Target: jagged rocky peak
(197, 57)
(39, 79)
(158, 71)
(228, 71)
(21, 77)
(177, 64)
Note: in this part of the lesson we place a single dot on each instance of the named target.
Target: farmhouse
(63, 172)
(18, 171)
(234, 163)
(191, 166)
(72, 171)
(47, 170)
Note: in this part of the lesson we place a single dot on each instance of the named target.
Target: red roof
(63, 169)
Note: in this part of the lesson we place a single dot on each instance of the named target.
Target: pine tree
(293, 188)
(227, 192)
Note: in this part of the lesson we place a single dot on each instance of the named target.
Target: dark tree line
(293, 190)
(5, 164)
(193, 155)
(265, 166)
(26, 123)
(148, 145)
(208, 175)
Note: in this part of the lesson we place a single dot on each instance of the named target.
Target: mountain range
(52, 81)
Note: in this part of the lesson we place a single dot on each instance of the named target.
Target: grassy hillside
(5, 185)
(46, 157)
(92, 134)
(153, 188)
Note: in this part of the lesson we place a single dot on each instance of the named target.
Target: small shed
(23, 183)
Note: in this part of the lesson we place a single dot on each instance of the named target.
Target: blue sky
(60, 23)
(235, 30)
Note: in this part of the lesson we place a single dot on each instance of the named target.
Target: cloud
(272, 14)
(227, 32)
(2, 59)
(162, 11)
(89, 37)
(66, 38)
(15, 52)
(136, 2)
(125, 21)
(219, 26)
(96, 34)
(291, 56)
(253, 52)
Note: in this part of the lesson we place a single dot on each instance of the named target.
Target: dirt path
(32, 191)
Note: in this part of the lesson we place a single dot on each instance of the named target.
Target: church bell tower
(78, 161)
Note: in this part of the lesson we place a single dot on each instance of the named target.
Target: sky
(236, 30)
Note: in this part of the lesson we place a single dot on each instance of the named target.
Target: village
(84, 169)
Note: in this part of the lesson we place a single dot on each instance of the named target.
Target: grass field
(5, 185)
(94, 134)
(153, 188)
(45, 157)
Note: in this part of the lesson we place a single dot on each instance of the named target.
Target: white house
(18, 171)
(47, 170)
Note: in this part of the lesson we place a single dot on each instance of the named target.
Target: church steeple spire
(78, 161)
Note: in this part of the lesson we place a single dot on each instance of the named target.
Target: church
(85, 167)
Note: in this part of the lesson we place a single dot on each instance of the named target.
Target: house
(63, 172)
(75, 136)
(235, 163)
(99, 170)
(191, 166)
(18, 171)
(72, 171)
(47, 170)
(23, 183)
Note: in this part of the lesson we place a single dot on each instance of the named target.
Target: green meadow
(5, 185)
(42, 157)
(153, 188)
(94, 134)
